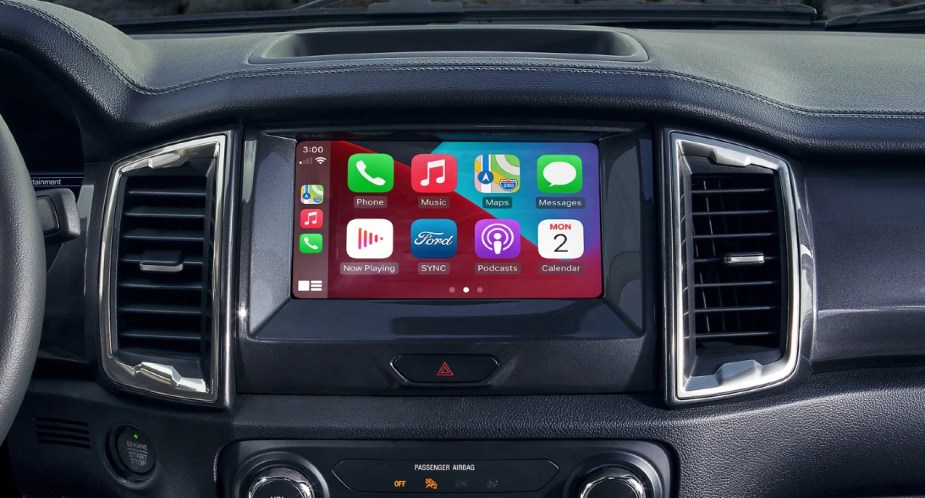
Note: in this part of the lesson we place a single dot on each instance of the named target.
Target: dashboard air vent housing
(162, 232)
(732, 266)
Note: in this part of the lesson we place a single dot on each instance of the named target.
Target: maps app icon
(312, 194)
(497, 173)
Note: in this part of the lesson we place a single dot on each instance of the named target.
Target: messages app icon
(559, 174)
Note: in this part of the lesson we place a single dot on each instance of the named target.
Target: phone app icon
(312, 194)
(370, 238)
(370, 173)
(311, 219)
(559, 174)
(311, 243)
(497, 173)
(560, 239)
(497, 239)
(433, 173)
(433, 238)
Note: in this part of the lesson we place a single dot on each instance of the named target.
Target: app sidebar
(312, 230)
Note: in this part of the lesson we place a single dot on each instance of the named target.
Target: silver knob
(281, 482)
(613, 482)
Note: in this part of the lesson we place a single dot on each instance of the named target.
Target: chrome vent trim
(156, 377)
(736, 377)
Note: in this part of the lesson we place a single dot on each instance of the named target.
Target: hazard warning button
(445, 369)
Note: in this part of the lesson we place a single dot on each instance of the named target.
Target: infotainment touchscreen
(446, 220)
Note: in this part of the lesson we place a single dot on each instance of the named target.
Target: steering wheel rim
(22, 279)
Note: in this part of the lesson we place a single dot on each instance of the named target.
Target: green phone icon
(559, 174)
(311, 243)
(370, 173)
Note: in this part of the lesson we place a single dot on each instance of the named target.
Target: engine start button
(134, 450)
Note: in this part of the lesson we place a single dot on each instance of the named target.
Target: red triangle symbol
(445, 371)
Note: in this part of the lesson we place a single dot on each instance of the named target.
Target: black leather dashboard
(833, 98)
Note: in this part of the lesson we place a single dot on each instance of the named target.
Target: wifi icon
(320, 160)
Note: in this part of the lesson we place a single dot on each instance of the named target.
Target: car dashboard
(529, 260)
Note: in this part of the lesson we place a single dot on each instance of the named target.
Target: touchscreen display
(446, 220)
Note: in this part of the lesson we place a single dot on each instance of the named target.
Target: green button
(370, 173)
(311, 243)
(559, 174)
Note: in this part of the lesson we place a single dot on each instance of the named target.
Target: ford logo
(433, 239)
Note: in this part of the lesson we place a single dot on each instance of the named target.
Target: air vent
(62, 432)
(164, 219)
(733, 303)
(163, 298)
(736, 262)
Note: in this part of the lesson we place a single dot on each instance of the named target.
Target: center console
(478, 260)
(474, 261)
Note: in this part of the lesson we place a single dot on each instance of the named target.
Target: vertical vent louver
(163, 219)
(733, 303)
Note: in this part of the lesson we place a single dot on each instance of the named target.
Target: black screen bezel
(543, 345)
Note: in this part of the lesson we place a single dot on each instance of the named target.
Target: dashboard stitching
(352, 68)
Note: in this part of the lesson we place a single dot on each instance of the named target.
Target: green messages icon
(370, 173)
(559, 174)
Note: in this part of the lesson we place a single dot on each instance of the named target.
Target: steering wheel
(22, 279)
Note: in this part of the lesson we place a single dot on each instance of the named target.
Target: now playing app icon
(369, 238)
(433, 238)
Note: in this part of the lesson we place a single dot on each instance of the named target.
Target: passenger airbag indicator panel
(482, 469)
(445, 476)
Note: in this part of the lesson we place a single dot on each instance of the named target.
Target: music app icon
(311, 218)
(433, 173)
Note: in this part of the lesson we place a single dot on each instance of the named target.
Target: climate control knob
(613, 482)
(280, 482)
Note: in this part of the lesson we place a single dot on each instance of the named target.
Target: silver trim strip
(151, 377)
(146, 267)
(619, 474)
(168, 375)
(742, 376)
(744, 259)
(305, 491)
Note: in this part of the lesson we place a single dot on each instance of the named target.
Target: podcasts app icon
(497, 239)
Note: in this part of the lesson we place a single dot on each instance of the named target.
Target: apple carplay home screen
(446, 220)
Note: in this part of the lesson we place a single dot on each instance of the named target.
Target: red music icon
(311, 218)
(433, 173)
